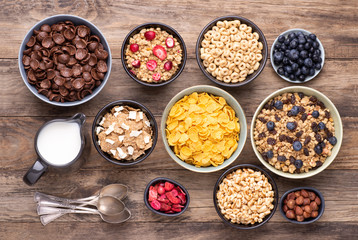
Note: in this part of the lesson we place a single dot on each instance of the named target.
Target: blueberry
(312, 72)
(281, 39)
(285, 61)
(291, 125)
(302, 78)
(278, 105)
(280, 71)
(269, 154)
(303, 54)
(283, 47)
(297, 146)
(270, 125)
(287, 53)
(281, 158)
(308, 62)
(298, 72)
(311, 50)
(307, 45)
(293, 43)
(315, 58)
(321, 125)
(300, 47)
(291, 36)
(300, 34)
(318, 149)
(288, 69)
(304, 71)
(310, 54)
(317, 66)
(278, 57)
(294, 66)
(294, 111)
(298, 163)
(278, 46)
(292, 77)
(286, 74)
(300, 62)
(317, 52)
(312, 36)
(287, 41)
(332, 140)
(301, 40)
(294, 55)
(315, 45)
(309, 40)
(315, 114)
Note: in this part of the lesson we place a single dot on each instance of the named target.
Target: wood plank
(341, 206)
(334, 22)
(338, 80)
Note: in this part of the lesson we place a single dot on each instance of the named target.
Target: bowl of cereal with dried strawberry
(124, 132)
(153, 54)
(296, 132)
(245, 196)
(231, 51)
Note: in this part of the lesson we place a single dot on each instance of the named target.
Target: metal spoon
(105, 204)
(51, 212)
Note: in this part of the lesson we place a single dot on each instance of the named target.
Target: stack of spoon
(107, 203)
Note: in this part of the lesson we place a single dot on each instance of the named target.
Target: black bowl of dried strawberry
(166, 197)
(153, 54)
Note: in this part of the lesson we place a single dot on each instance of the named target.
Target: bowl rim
(45, 99)
(285, 33)
(123, 102)
(162, 25)
(262, 63)
(338, 128)
(271, 181)
(152, 182)
(243, 133)
(321, 209)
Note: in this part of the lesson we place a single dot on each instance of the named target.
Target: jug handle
(35, 172)
(80, 117)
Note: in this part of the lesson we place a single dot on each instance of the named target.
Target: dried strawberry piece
(172, 198)
(168, 186)
(161, 190)
(169, 211)
(160, 52)
(151, 65)
(165, 207)
(169, 42)
(163, 199)
(174, 192)
(149, 35)
(153, 194)
(176, 209)
(177, 206)
(156, 204)
(156, 76)
(182, 197)
(181, 190)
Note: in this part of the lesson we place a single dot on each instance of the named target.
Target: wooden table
(334, 22)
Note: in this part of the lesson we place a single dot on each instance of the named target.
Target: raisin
(298, 170)
(262, 135)
(273, 132)
(282, 138)
(281, 158)
(289, 139)
(289, 114)
(271, 141)
(293, 98)
(299, 134)
(328, 133)
(285, 101)
(321, 104)
(307, 140)
(327, 114)
(292, 160)
(304, 117)
(277, 118)
(318, 164)
(314, 127)
(264, 156)
(272, 105)
(313, 99)
(301, 95)
(302, 109)
(306, 152)
(262, 119)
(318, 137)
(266, 106)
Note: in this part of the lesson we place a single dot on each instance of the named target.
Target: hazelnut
(290, 214)
(314, 206)
(308, 209)
(297, 193)
(311, 195)
(291, 203)
(300, 218)
(298, 210)
(317, 200)
(314, 214)
(304, 193)
(285, 208)
(291, 196)
(306, 215)
(299, 200)
(306, 201)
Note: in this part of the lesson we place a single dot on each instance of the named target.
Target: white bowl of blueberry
(297, 55)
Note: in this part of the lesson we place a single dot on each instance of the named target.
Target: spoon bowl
(109, 205)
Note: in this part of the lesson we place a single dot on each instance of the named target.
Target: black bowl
(163, 179)
(133, 104)
(166, 28)
(264, 53)
(309, 220)
(270, 180)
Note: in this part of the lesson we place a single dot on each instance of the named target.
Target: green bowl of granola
(296, 132)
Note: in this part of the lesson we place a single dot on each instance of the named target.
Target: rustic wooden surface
(334, 22)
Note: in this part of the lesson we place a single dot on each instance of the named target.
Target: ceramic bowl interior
(309, 220)
(250, 77)
(286, 33)
(166, 28)
(337, 125)
(231, 101)
(163, 179)
(77, 21)
(274, 188)
(129, 103)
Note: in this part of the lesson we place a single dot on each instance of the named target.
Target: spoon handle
(38, 196)
(43, 210)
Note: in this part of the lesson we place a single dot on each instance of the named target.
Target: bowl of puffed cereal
(296, 132)
(245, 196)
(203, 129)
(124, 132)
(231, 51)
(153, 54)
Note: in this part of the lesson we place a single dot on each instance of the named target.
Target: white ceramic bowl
(286, 33)
(338, 131)
(231, 101)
